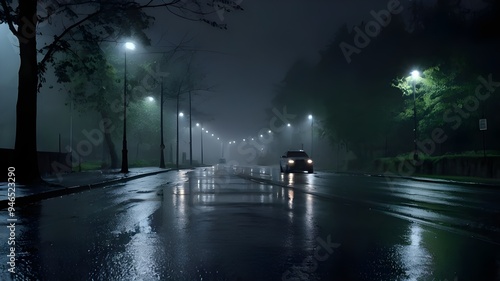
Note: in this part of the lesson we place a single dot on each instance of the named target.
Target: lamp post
(162, 144)
(201, 139)
(129, 46)
(415, 75)
(312, 123)
(179, 114)
(221, 149)
(290, 129)
(190, 134)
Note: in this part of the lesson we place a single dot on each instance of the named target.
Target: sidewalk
(71, 183)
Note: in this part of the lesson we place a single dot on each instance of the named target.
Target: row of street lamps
(124, 169)
(289, 125)
(124, 166)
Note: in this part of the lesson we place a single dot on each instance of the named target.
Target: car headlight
(291, 161)
(309, 161)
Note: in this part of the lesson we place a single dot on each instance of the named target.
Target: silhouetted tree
(93, 21)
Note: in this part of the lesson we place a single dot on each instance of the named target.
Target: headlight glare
(291, 161)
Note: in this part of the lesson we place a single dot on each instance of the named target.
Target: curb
(421, 179)
(478, 184)
(30, 199)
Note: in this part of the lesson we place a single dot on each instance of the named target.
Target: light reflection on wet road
(470, 210)
(212, 224)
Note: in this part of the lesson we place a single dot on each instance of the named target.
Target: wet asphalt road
(231, 223)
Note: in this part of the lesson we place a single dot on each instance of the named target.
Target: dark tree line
(366, 101)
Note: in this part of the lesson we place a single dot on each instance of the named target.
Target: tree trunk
(108, 141)
(26, 157)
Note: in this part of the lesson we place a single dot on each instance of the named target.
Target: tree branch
(57, 39)
(9, 18)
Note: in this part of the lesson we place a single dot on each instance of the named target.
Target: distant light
(252, 138)
(244, 140)
(206, 131)
(230, 142)
(269, 131)
(130, 46)
(288, 125)
(415, 74)
(181, 114)
(151, 99)
(261, 136)
(310, 117)
(203, 129)
(212, 135)
(217, 138)
(197, 124)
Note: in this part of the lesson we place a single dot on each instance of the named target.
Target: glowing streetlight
(150, 99)
(415, 74)
(181, 114)
(128, 46)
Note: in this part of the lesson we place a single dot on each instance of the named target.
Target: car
(296, 160)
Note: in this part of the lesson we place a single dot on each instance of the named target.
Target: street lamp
(221, 150)
(190, 132)
(312, 122)
(415, 74)
(162, 144)
(128, 46)
(201, 141)
(180, 114)
(291, 134)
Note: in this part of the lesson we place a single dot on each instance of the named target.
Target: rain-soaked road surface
(216, 224)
